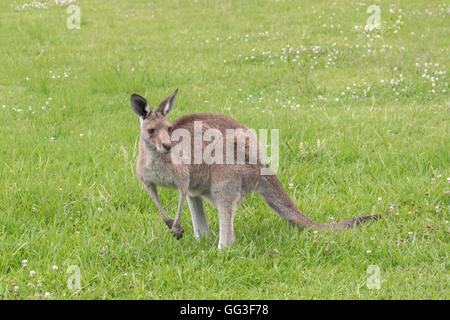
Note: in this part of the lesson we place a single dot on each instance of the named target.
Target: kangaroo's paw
(177, 232)
(169, 223)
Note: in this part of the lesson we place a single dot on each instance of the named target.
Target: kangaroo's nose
(167, 146)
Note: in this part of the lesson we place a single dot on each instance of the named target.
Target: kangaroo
(223, 185)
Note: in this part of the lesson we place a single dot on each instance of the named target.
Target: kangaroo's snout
(166, 147)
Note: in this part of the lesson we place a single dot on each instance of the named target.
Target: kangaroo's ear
(167, 105)
(140, 106)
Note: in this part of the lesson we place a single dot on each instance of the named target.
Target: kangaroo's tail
(275, 195)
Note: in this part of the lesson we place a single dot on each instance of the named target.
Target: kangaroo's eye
(151, 131)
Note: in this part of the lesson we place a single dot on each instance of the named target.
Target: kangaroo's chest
(154, 170)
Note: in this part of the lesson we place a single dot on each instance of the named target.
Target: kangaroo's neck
(155, 167)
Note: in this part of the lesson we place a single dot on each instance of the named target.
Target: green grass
(69, 194)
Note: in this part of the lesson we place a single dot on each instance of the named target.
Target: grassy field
(363, 119)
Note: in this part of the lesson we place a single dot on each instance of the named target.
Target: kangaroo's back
(209, 120)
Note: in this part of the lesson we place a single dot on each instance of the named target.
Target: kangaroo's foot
(177, 232)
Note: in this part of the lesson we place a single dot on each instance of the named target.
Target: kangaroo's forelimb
(153, 192)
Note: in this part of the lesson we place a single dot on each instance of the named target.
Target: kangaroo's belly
(203, 193)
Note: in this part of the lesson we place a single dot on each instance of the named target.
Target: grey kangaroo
(223, 185)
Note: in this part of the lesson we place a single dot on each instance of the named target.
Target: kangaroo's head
(155, 129)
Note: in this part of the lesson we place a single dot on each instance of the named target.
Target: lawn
(363, 119)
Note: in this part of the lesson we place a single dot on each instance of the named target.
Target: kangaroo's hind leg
(226, 216)
(227, 193)
(198, 216)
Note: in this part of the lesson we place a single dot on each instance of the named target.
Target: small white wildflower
(47, 294)
(55, 267)
(32, 273)
(369, 251)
